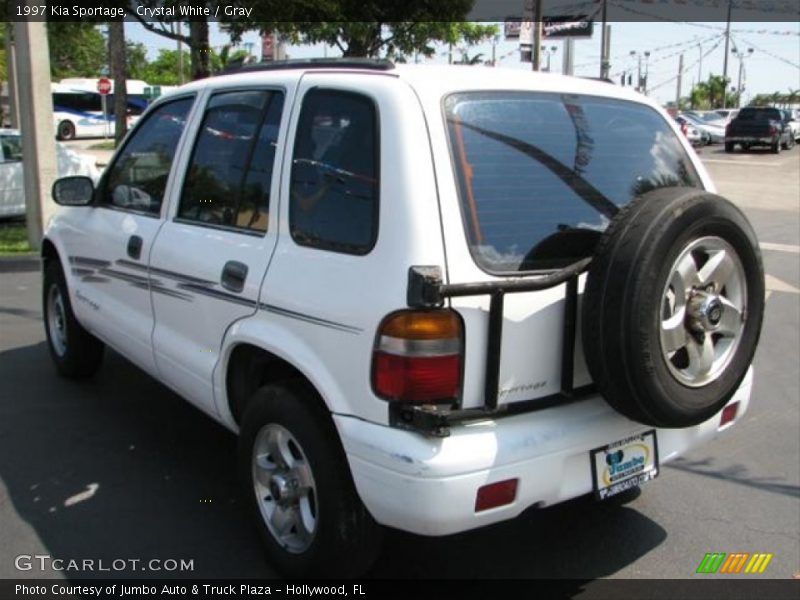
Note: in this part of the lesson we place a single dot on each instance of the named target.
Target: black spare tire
(673, 306)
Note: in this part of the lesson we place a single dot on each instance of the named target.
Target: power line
(686, 68)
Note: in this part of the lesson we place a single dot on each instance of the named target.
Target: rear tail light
(417, 357)
(773, 130)
(684, 129)
(728, 414)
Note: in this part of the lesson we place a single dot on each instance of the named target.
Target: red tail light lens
(773, 130)
(417, 357)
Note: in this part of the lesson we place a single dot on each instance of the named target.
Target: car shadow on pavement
(119, 467)
(737, 473)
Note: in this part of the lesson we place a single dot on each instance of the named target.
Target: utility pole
(13, 96)
(605, 45)
(741, 56)
(725, 63)
(568, 62)
(36, 122)
(700, 64)
(116, 53)
(537, 35)
(179, 27)
(639, 82)
(678, 91)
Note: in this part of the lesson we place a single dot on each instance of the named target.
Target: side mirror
(73, 191)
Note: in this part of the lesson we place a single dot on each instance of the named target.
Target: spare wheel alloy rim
(703, 311)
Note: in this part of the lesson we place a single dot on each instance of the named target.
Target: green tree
(77, 49)
(164, 69)
(356, 38)
(709, 94)
(136, 55)
(171, 27)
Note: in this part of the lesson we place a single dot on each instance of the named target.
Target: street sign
(104, 86)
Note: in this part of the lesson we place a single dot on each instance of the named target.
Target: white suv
(425, 297)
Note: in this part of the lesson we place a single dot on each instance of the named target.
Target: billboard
(552, 28)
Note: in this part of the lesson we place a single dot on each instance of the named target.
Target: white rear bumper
(428, 485)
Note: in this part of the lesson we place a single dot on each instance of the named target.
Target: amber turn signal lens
(433, 325)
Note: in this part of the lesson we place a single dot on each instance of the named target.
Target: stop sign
(104, 85)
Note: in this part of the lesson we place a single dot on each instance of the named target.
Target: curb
(20, 264)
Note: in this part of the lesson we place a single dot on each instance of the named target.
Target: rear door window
(540, 175)
(230, 172)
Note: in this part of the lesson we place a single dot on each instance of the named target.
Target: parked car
(694, 135)
(417, 301)
(792, 117)
(12, 194)
(716, 133)
(759, 126)
(726, 115)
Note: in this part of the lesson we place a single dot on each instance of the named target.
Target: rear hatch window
(759, 114)
(540, 175)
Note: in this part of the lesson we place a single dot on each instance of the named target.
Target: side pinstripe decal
(90, 270)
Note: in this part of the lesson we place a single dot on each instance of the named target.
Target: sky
(774, 64)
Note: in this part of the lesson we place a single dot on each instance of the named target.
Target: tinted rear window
(758, 114)
(541, 175)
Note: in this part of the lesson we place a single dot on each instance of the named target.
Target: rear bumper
(428, 485)
(742, 139)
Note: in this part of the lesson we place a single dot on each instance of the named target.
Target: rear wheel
(76, 352)
(297, 481)
(729, 146)
(776, 146)
(673, 307)
(65, 130)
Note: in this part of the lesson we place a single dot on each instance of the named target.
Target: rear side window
(540, 175)
(230, 172)
(334, 180)
(759, 114)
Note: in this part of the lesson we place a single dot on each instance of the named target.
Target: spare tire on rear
(673, 307)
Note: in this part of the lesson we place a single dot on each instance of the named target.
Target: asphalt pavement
(119, 467)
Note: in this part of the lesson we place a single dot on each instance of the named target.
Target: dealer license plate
(624, 464)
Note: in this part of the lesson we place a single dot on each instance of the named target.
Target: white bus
(78, 108)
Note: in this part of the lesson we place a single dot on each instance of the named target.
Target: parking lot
(120, 467)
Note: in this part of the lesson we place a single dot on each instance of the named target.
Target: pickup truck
(759, 126)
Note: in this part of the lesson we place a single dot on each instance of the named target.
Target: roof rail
(603, 79)
(369, 64)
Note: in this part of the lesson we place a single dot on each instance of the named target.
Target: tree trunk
(198, 35)
(117, 62)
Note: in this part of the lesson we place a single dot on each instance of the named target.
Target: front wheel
(76, 352)
(299, 487)
(65, 131)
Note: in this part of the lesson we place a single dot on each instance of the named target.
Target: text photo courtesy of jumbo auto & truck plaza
(377, 299)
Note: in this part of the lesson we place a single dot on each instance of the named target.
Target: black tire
(346, 540)
(76, 353)
(729, 146)
(627, 293)
(65, 131)
(776, 146)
